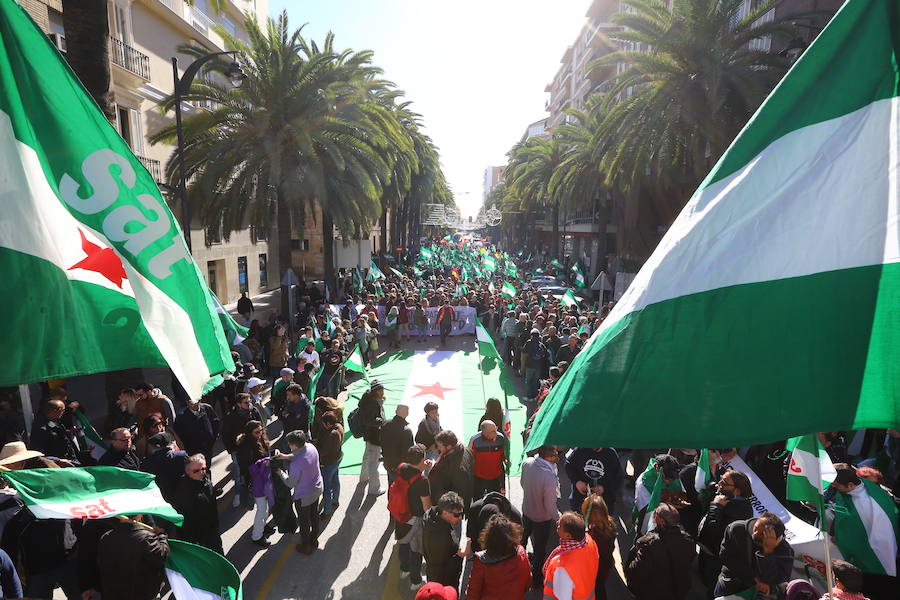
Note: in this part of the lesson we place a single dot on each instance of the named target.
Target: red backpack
(398, 496)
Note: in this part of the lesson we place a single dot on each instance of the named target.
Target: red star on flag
(101, 260)
(435, 389)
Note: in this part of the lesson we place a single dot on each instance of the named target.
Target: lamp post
(236, 76)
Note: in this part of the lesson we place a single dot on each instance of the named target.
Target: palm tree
(528, 174)
(685, 94)
(304, 128)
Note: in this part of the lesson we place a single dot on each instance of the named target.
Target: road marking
(276, 570)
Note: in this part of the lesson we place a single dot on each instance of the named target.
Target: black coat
(371, 414)
(132, 561)
(442, 564)
(198, 430)
(482, 509)
(196, 500)
(53, 439)
(123, 460)
(396, 438)
(452, 473)
(233, 426)
(718, 517)
(743, 562)
(659, 565)
(595, 467)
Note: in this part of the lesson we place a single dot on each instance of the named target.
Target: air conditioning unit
(59, 41)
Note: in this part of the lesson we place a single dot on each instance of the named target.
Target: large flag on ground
(96, 445)
(726, 320)
(103, 280)
(197, 573)
(866, 528)
(90, 493)
(810, 470)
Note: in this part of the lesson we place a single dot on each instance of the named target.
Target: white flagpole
(828, 575)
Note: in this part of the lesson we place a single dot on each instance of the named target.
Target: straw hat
(14, 452)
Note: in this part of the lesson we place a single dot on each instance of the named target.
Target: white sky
(475, 71)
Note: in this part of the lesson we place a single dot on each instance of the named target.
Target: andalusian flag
(374, 271)
(556, 264)
(569, 299)
(397, 273)
(865, 528)
(356, 363)
(485, 343)
(491, 287)
(234, 332)
(464, 274)
(703, 476)
(358, 283)
(198, 573)
(90, 493)
(425, 254)
(579, 276)
(512, 270)
(802, 207)
(88, 242)
(810, 471)
(508, 290)
(390, 322)
(648, 493)
(490, 263)
(96, 445)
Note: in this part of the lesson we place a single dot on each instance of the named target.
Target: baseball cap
(159, 440)
(254, 381)
(435, 591)
(286, 371)
(376, 385)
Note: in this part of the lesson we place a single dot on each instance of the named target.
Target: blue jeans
(331, 483)
(334, 384)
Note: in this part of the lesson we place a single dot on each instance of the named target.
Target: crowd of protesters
(447, 496)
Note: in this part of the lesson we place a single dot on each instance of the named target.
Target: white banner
(805, 539)
(463, 323)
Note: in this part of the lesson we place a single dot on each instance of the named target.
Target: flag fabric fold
(90, 493)
(508, 290)
(198, 573)
(866, 528)
(88, 241)
(96, 445)
(727, 312)
(356, 363)
(810, 471)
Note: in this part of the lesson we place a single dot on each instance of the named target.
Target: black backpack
(354, 420)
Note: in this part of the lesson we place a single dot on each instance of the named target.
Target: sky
(475, 71)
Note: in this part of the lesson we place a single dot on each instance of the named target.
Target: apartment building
(145, 35)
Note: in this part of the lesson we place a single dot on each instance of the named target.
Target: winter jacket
(483, 509)
(123, 460)
(595, 467)
(328, 443)
(508, 327)
(53, 439)
(371, 413)
(489, 456)
(659, 565)
(295, 415)
(718, 517)
(278, 351)
(396, 438)
(132, 561)
(540, 484)
(38, 545)
(452, 473)
(499, 578)
(168, 466)
(196, 500)
(261, 483)
(248, 452)
(425, 434)
(743, 562)
(198, 430)
(443, 564)
(233, 425)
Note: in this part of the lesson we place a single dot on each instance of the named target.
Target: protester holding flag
(658, 566)
(445, 318)
(594, 471)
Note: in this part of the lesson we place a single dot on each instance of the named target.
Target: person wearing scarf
(571, 569)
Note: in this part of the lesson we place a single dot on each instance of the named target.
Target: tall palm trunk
(87, 49)
(384, 227)
(328, 252)
(283, 232)
(554, 248)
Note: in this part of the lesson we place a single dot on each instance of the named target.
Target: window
(214, 235)
(263, 271)
(301, 245)
(123, 31)
(124, 118)
(228, 24)
(242, 274)
(258, 234)
(212, 275)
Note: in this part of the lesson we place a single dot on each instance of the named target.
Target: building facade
(144, 36)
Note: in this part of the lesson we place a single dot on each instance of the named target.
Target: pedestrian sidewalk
(263, 305)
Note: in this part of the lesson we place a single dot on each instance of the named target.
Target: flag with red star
(98, 274)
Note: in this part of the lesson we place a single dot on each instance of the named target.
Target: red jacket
(507, 579)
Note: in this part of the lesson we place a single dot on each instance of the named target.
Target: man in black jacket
(196, 500)
(371, 416)
(731, 503)
(396, 438)
(232, 427)
(659, 564)
(132, 561)
(453, 470)
(120, 453)
(51, 437)
(754, 554)
(443, 556)
(198, 428)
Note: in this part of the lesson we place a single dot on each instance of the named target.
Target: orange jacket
(581, 566)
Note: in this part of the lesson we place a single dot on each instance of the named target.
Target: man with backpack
(408, 498)
(365, 422)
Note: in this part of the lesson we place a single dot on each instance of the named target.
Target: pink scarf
(564, 546)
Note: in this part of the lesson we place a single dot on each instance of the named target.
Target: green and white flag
(648, 493)
(390, 322)
(426, 254)
(397, 273)
(198, 573)
(703, 476)
(512, 270)
(491, 287)
(490, 263)
(485, 343)
(802, 206)
(355, 363)
(87, 241)
(374, 271)
(96, 445)
(358, 283)
(234, 332)
(866, 528)
(579, 276)
(508, 290)
(569, 299)
(461, 290)
(90, 493)
(313, 384)
(810, 471)
(556, 264)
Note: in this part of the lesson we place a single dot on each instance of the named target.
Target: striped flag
(810, 470)
(485, 343)
(648, 493)
(90, 493)
(569, 299)
(426, 254)
(355, 363)
(96, 445)
(490, 263)
(198, 573)
(397, 273)
(703, 476)
(234, 332)
(802, 206)
(508, 290)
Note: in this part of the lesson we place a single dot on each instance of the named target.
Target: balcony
(153, 166)
(130, 59)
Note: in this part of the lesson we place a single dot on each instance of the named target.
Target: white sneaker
(237, 501)
(380, 492)
(415, 586)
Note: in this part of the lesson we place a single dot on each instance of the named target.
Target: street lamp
(236, 76)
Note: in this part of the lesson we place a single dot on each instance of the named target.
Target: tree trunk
(328, 253)
(283, 233)
(554, 247)
(87, 49)
(385, 243)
